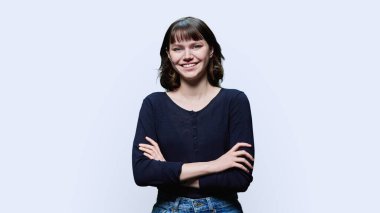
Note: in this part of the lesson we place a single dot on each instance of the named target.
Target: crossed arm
(231, 171)
(191, 171)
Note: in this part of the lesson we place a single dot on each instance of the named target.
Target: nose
(188, 55)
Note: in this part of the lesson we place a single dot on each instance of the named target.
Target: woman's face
(190, 58)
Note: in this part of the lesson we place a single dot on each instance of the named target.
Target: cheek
(203, 55)
(175, 63)
(205, 58)
(174, 59)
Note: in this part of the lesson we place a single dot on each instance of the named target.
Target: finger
(146, 150)
(240, 144)
(149, 156)
(154, 143)
(243, 160)
(244, 153)
(240, 166)
(154, 149)
(156, 154)
(146, 146)
(149, 151)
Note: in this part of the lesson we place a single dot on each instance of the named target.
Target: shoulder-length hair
(188, 28)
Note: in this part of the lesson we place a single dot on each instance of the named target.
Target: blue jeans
(201, 205)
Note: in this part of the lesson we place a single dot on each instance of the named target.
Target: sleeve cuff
(172, 171)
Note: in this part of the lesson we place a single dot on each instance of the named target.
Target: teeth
(188, 65)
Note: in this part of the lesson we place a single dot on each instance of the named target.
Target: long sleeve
(240, 130)
(149, 172)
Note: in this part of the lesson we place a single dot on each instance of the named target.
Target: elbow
(143, 179)
(139, 180)
(243, 183)
(144, 174)
(140, 177)
(148, 172)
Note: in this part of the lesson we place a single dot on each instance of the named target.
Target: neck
(191, 90)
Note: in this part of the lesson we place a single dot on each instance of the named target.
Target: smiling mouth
(188, 65)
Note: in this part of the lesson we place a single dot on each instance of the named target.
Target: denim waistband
(209, 203)
(183, 204)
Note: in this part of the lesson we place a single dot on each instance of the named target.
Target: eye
(197, 46)
(176, 49)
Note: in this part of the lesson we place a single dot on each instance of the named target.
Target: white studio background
(73, 75)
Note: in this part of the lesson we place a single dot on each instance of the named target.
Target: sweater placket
(194, 130)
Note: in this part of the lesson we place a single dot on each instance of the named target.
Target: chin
(191, 76)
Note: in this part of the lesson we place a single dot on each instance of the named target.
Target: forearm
(193, 170)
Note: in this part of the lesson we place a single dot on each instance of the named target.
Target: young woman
(194, 142)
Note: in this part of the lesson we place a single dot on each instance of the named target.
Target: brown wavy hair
(188, 28)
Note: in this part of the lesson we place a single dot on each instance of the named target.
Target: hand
(233, 158)
(153, 151)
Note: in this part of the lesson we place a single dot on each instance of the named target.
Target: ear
(211, 53)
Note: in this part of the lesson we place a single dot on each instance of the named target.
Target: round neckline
(192, 111)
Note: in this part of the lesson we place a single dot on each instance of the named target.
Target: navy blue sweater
(193, 136)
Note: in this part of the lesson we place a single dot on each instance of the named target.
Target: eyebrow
(195, 42)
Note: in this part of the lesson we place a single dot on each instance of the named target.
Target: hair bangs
(185, 33)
